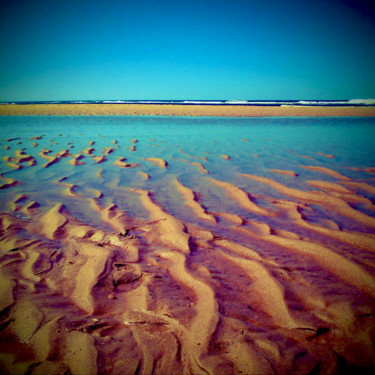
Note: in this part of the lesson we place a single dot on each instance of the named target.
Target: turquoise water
(254, 146)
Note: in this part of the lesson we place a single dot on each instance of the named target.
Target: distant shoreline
(213, 110)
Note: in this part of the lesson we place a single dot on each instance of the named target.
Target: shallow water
(243, 219)
(283, 143)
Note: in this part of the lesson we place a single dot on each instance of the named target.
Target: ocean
(299, 103)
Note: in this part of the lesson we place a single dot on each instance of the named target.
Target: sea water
(254, 146)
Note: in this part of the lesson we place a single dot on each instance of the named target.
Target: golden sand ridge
(183, 110)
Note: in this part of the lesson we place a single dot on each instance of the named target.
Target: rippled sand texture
(157, 255)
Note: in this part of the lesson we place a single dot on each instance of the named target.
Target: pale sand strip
(341, 266)
(171, 231)
(53, 221)
(267, 292)
(325, 170)
(80, 353)
(95, 259)
(181, 110)
(26, 319)
(204, 324)
(191, 202)
(347, 270)
(315, 197)
(360, 240)
(6, 291)
(240, 196)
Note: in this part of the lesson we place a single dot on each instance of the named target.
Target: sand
(280, 282)
(181, 110)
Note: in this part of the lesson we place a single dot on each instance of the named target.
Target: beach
(185, 244)
(184, 110)
(187, 187)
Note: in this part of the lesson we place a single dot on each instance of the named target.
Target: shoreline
(183, 110)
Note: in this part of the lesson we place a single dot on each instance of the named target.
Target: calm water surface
(254, 146)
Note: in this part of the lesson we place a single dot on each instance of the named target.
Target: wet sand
(288, 289)
(182, 110)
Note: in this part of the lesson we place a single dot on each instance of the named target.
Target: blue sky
(266, 50)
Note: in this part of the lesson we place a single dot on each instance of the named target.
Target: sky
(186, 49)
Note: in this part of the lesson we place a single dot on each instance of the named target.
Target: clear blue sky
(186, 49)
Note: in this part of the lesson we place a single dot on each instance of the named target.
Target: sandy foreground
(287, 292)
(181, 110)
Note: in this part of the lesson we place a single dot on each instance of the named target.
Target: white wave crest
(362, 101)
(200, 102)
(236, 102)
(113, 101)
(322, 102)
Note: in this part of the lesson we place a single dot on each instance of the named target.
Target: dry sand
(181, 110)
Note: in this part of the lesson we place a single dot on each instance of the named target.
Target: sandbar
(185, 110)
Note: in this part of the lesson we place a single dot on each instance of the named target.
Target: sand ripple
(156, 276)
